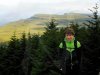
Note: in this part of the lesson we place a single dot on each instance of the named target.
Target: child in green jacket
(70, 53)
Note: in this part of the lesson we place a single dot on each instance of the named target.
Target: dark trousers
(67, 70)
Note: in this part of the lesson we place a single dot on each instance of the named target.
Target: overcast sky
(12, 10)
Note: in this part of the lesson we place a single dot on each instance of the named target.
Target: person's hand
(61, 69)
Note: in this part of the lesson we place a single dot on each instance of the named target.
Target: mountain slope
(36, 24)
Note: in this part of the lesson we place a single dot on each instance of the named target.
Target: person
(70, 53)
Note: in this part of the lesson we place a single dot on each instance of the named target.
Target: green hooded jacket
(70, 45)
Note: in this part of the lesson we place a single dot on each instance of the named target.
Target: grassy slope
(19, 27)
(34, 25)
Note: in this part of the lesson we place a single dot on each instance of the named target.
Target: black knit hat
(69, 30)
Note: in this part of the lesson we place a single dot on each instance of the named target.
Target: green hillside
(36, 24)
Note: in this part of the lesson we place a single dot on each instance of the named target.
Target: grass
(8, 30)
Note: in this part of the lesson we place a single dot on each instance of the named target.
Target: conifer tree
(50, 40)
(12, 58)
(92, 45)
(3, 53)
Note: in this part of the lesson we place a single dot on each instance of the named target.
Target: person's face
(69, 37)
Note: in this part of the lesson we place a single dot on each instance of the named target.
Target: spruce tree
(3, 53)
(92, 45)
(50, 40)
(12, 58)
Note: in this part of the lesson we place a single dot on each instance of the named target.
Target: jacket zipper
(71, 60)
